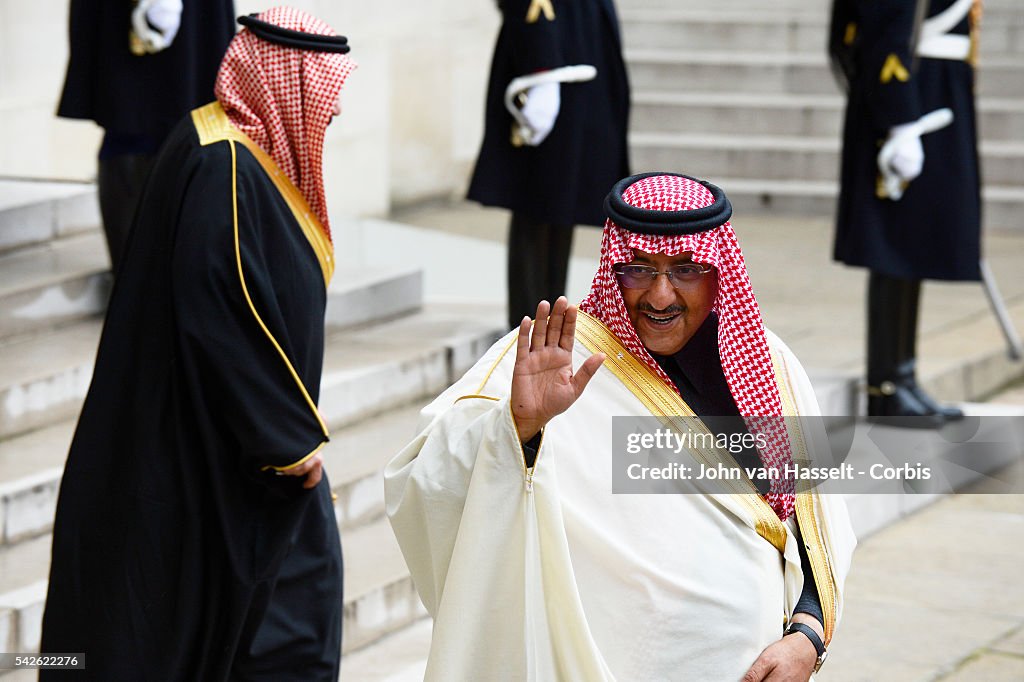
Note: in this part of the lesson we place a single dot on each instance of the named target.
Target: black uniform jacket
(148, 94)
(172, 527)
(564, 180)
(934, 231)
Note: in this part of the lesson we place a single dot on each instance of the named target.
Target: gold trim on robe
(806, 510)
(263, 326)
(213, 125)
(666, 404)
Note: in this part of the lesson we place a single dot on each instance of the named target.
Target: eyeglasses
(643, 276)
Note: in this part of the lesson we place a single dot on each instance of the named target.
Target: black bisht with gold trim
(177, 553)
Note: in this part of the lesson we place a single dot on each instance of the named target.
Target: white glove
(156, 23)
(541, 109)
(907, 158)
(901, 158)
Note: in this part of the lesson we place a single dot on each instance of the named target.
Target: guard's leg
(120, 182)
(889, 376)
(910, 302)
(559, 250)
(538, 263)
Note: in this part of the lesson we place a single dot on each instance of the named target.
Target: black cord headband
(646, 221)
(286, 36)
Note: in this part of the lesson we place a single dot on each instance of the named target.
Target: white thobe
(545, 574)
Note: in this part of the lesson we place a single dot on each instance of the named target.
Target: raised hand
(543, 383)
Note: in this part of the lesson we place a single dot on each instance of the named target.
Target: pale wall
(413, 111)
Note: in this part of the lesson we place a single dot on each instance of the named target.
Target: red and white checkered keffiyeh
(742, 343)
(283, 97)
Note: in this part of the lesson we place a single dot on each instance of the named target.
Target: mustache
(674, 309)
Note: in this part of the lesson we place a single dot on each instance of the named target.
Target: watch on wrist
(809, 632)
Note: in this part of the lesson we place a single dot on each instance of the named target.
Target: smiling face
(664, 317)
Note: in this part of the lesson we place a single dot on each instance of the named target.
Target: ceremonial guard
(135, 69)
(909, 204)
(555, 137)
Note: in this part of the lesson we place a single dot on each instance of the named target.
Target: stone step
(355, 460)
(28, 503)
(389, 370)
(776, 114)
(769, 157)
(24, 571)
(399, 657)
(778, 157)
(803, 7)
(740, 113)
(777, 30)
(31, 467)
(819, 8)
(1002, 206)
(44, 379)
(379, 594)
(35, 212)
(372, 369)
(53, 284)
(364, 295)
(49, 285)
(767, 72)
(713, 30)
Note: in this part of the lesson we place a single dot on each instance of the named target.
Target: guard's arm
(886, 63)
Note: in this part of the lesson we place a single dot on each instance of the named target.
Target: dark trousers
(538, 263)
(893, 391)
(120, 183)
(893, 304)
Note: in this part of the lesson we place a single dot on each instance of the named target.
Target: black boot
(911, 299)
(891, 383)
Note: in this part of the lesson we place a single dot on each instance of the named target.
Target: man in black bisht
(555, 135)
(910, 198)
(195, 536)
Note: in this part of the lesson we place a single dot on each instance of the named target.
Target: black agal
(646, 221)
(299, 39)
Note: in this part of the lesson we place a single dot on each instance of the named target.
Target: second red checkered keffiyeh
(742, 342)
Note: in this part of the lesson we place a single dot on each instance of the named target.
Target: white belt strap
(937, 42)
(945, 46)
(944, 21)
(564, 74)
